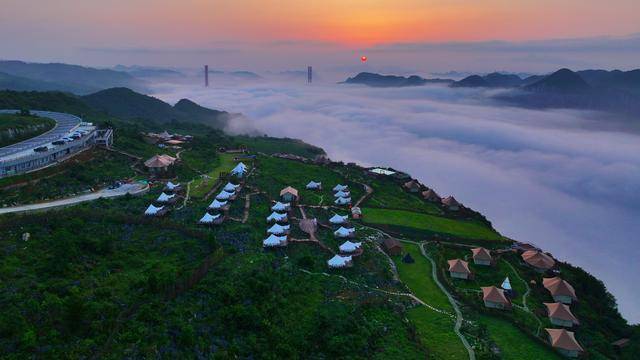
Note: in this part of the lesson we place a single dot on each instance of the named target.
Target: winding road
(125, 189)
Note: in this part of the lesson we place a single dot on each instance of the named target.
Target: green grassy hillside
(100, 280)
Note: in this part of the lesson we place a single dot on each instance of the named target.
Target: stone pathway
(186, 196)
(368, 191)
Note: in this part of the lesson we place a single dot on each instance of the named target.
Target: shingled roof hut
(565, 342)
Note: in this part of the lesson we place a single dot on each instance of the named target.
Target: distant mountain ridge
(561, 81)
(76, 79)
(127, 104)
(612, 91)
(378, 80)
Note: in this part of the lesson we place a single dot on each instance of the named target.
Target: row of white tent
(277, 236)
(342, 194)
(163, 198)
(219, 203)
(227, 192)
(277, 233)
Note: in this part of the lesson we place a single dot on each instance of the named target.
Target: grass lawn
(388, 194)
(460, 228)
(436, 332)
(273, 174)
(417, 277)
(513, 343)
(270, 146)
(435, 329)
(201, 186)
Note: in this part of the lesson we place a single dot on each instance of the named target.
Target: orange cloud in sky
(350, 22)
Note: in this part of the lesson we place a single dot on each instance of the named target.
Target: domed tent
(349, 247)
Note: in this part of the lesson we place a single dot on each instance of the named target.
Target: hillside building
(565, 342)
(70, 136)
(495, 298)
(459, 269)
(481, 256)
(561, 315)
(560, 290)
(289, 194)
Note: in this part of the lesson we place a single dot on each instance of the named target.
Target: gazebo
(159, 163)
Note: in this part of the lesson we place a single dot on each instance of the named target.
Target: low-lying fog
(558, 179)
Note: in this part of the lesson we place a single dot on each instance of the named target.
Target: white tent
(223, 195)
(171, 186)
(208, 218)
(277, 229)
(340, 187)
(163, 198)
(239, 170)
(312, 185)
(337, 219)
(342, 194)
(342, 201)
(217, 204)
(280, 206)
(344, 232)
(339, 261)
(349, 246)
(230, 187)
(152, 210)
(277, 217)
(274, 240)
(506, 284)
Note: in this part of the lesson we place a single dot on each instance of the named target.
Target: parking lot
(64, 124)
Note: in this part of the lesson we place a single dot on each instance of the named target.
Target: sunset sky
(251, 32)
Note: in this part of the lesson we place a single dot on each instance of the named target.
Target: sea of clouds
(563, 180)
